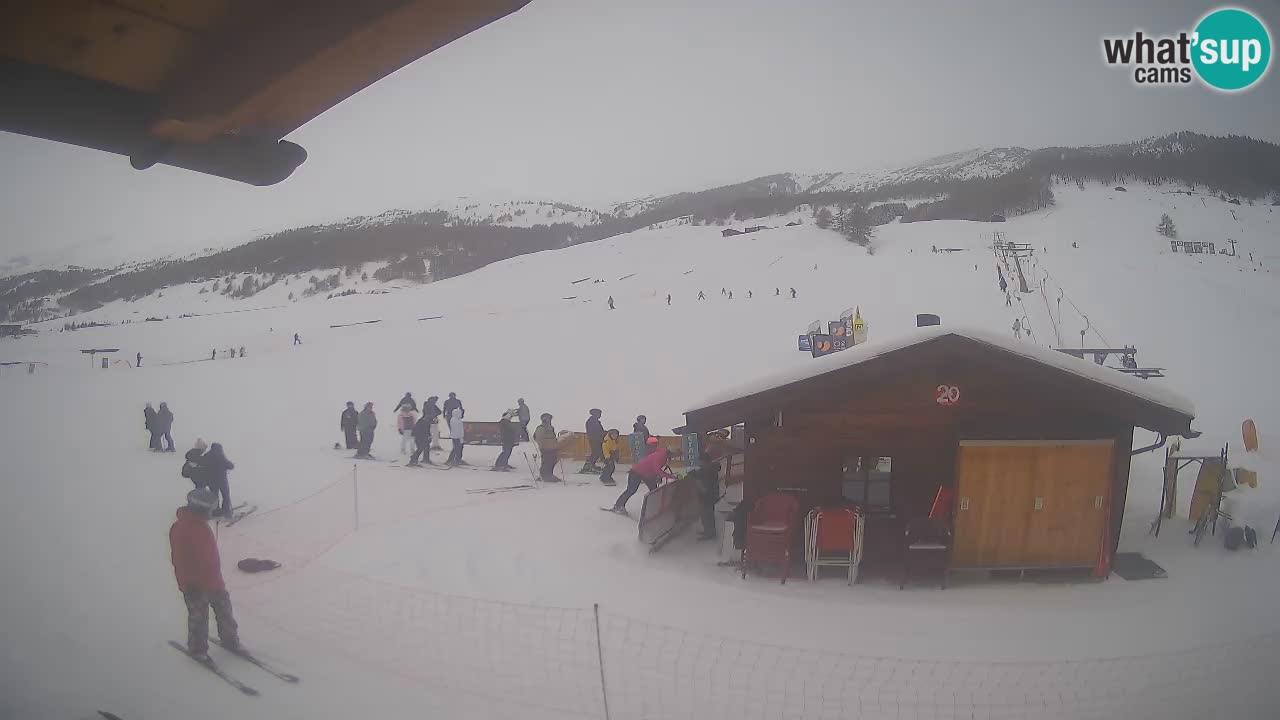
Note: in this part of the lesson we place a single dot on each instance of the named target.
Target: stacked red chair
(771, 530)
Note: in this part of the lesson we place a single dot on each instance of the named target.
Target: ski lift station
(985, 452)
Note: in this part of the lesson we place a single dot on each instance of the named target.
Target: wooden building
(1033, 444)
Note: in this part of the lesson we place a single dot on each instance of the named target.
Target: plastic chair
(770, 529)
(833, 538)
(926, 542)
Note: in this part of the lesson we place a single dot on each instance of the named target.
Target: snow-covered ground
(442, 603)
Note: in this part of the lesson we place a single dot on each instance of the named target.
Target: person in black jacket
(407, 400)
(164, 423)
(523, 414)
(421, 442)
(507, 431)
(149, 422)
(431, 411)
(641, 429)
(707, 486)
(451, 404)
(348, 425)
(192, 469)
(595, 436)
(213, 468)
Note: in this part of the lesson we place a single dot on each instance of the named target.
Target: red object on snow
(196, 564)
(771, 527)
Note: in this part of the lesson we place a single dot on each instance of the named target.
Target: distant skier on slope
(668, 298)
(457, 433)
(701, 295)
(347, 424)
(1008, 299)
(405, 420)
(507, 432)
(748, 294)
(198, 571)
(777, 292)
(610, 302)
(549, 447)
(793, 293)
(139, 364)
(149, 423)
(214, 466)
(649, 471)
(611, 448)
(730, 294)
(595, 437)
(297, 340)
(164, 423)
(421, 441)
(214, 355)
(1017, 328)
(523, 413)
(407, 400)
(366, 423)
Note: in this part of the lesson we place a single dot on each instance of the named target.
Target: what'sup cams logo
(1228, 50)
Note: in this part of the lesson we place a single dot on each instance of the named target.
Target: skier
(668, 299)
(935, 248)
(549, 446)
(408, 400)
(191, 469)
(214, 355)
(707, 485)
(777, 292)
(1008, 300)
(213, 469)
(595, 436)
(610, 302)
(297, 340)
(641, 429)
(701, 295)
(457, 433)
(431, 411)
(507, 431)
(730, 294)
(522, 412)
(139, 360)
(366, 423)
(611, 447)
(451, 404)
(421, 441)
(793, 293)
(149, 422)
(748, 294)
(648, 471)
(1017, 328)
(722, 291)
(163, 424)
(405, 420)
(241, 351)
(198, 571)
(347, 424)
(1003, 285)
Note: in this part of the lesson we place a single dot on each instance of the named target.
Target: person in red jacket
(198, 570)
(649, 471)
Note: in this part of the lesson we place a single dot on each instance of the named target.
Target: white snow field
(402, 595)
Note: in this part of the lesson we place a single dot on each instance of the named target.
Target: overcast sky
(601, 100)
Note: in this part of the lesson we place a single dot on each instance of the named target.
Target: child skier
(198, 570)
(611, 448)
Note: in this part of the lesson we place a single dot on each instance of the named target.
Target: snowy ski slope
(91, 624)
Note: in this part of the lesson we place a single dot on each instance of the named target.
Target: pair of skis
(231, 680)
(238, 513)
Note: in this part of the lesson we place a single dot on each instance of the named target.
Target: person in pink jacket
(650, 470)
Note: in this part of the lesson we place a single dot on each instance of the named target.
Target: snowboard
(1206, 488)
(1250, 431)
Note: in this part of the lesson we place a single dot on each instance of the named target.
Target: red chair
(771, 528)
(833, 538)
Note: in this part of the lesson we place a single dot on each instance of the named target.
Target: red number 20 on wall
(948, 394)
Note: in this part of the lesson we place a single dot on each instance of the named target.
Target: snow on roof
(1143, 389)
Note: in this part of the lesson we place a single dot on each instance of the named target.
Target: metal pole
(604, 692)
(355, 495)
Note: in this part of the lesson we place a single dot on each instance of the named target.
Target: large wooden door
(1031, 504)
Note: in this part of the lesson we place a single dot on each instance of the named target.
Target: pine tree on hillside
(822, 217)
(1166, 227)
(856, 225)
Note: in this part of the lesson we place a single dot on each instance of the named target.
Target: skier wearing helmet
(198, 570)
(649, 471)
(595, 436)
(549, 447)
(641, 430)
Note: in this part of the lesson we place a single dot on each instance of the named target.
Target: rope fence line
(517, 659)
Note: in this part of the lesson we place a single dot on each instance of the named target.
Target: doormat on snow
(1133, 566)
